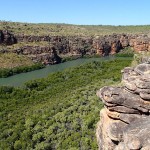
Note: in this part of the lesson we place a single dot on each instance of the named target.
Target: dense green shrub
(127, 52)
(124, 55)
(9, 72)
(58, 112)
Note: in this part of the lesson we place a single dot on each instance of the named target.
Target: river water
(20, 79)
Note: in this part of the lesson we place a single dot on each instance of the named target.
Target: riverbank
(21, 69)
(6, 72)
(20, 79)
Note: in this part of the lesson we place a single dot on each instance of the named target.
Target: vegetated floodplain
(58, 112)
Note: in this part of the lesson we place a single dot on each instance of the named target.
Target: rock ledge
(124, 121)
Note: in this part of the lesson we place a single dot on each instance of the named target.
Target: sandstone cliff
(125, 119)
(67, 46)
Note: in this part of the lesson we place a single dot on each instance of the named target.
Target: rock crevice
(125, 119)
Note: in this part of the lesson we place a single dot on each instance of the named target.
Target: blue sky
(96, 12)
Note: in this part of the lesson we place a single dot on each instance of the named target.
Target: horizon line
(73, 23)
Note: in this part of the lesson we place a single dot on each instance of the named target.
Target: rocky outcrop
(140, 42)
(107, 45)
(44, 54)
(125, 119)
(111, 44)
(72, 45)
(102, 45)
(7, 38)
(63, 45)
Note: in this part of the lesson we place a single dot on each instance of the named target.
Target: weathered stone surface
(125, 119)
(7, 38)
(73, 45)
(145, 96)
(103, 136)
(136, 135)
(123, 109)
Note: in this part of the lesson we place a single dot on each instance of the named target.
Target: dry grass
(70, 30)
(22, 44)
(11, 60)
(139, 58)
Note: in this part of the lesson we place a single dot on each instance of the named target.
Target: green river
(20, 79)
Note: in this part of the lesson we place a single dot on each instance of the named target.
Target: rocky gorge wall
(7, 38)
(125, 119)
(58, 47)
(102, 45)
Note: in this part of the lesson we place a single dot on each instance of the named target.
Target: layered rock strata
(70, 46)
(125, 119)
(102, 45)
(7, 38)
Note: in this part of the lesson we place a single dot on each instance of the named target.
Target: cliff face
(124, 121)
(61, 46)
(7, 38)
(104, 45)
